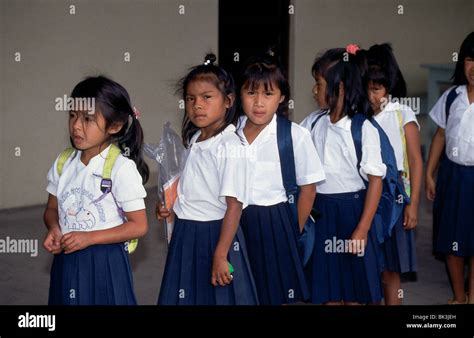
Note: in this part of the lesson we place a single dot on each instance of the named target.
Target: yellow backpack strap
(114, 152)
(406, 168)
(63, 158)
(106, 186)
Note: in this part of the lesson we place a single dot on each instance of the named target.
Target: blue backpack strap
(449, 101)
(393, 193)
(356, 131)
(306, 239)
(287, 162)
(323, 113)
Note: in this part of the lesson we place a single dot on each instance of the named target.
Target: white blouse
(459, 130)
(265, 178)
(215, 168)
(336, 149)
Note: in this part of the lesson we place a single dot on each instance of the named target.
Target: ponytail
(131, 145)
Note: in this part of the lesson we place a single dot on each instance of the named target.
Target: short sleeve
(437, 113)
(371, 163)
(232, 166)
(408, 115)
(308, 165)
(127, 187)
(53, 178)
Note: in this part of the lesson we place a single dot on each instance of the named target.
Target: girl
(344, 267)
(271, 230)
(310, 121)
(211, 196)
(453, 196)
(88, 221)
(385, 81)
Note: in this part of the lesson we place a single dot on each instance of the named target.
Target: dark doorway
(249, 28)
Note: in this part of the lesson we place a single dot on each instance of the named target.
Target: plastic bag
(170, 154)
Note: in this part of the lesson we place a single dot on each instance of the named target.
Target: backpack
(105, 184)
(452, 95)
(305, 239)
(393, 196)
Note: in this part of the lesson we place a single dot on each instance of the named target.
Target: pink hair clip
(352, 48)
(136, 113)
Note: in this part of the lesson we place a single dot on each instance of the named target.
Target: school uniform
(215, 168)
(309, 120)
(454, 191)
(332, 274)
(399, 251)
(268, 224)
(99, 274)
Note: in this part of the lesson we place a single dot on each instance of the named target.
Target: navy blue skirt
(271, 237)
(188, 269)
(456, 217)
(332, 272)
(399, 252)
(96, 275)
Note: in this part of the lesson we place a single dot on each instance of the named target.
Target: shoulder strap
(63, 158)
(287, 158)
(110, 160)
(449, 101)
(324, 112)
(404, 143)
(356, 130)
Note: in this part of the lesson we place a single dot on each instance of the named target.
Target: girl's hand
(358, 241)
(76, 240)
(52, 242)
(161, 211)
(220, 272)
(430, 188)
(410, 218)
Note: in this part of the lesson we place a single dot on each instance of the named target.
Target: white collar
(207, 143)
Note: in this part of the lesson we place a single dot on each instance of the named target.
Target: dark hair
(322, 62)
(384, 70)
(466, 50)
(266, 69)
(337, 65)
(221, 79)
(113, 102)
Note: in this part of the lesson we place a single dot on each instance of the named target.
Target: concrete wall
(59, 49)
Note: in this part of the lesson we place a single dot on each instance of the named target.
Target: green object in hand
(231, 268)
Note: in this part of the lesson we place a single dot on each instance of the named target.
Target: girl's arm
(436, 149)
(51, 220)
(135, 227)
(371, 204)
(305, 203)
(415, 164)
(220, 269)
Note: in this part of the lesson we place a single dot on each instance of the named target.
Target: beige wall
(429, 31)
(58, 50)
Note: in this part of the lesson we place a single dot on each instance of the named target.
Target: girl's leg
(471, 280)
(456, 274)
(391, 287)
